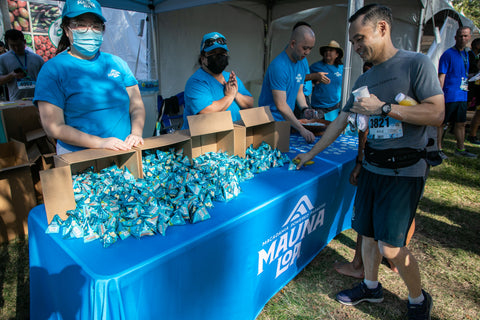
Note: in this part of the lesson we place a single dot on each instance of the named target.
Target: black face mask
(217, 63)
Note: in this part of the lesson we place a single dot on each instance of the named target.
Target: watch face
(386, 108)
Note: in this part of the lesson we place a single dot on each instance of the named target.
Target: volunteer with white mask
(88, 98)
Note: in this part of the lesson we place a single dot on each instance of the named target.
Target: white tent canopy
(257, 30)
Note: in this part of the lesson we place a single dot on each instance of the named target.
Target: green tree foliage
(469, 8)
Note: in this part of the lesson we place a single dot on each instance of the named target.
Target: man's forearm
(6, 78)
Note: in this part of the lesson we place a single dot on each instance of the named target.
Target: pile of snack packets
(112, 204)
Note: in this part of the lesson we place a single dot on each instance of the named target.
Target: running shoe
(420, 311)
(360, 293)
(464, 153)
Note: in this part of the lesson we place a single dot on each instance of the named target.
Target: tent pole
(420, 29)
(153, 70)
(266, 46)
(5, 24)
(353, 6)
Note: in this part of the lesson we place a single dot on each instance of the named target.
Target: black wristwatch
(386, 108)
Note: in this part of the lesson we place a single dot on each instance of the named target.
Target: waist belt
(394, 158)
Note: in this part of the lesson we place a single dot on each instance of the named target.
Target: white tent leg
(353, 6)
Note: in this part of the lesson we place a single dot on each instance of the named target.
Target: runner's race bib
(384, 128)
(25, 83)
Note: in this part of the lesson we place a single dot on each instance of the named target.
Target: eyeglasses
(210, 42)
(83, 27)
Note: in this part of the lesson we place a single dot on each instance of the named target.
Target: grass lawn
(446, 244)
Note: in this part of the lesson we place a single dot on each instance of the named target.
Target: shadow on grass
(347, 241)
(4, 259)
(14, 268)
(23, 283)
(458, 234)
(452, 173)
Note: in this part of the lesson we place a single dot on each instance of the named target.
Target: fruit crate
(40, 22)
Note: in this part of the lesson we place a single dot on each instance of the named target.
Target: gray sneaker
(473, 140)
(442, 155)
(465, 153)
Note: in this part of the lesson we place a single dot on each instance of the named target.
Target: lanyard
(465, 60)
(24, 67)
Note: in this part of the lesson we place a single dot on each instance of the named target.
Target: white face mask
(87, 43)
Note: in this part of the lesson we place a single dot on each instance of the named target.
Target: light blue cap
(215, 45)
(74, 8)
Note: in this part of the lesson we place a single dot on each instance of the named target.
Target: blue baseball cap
(74, 8)
(213, 40)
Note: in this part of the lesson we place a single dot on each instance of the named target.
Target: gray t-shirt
(414, 75)
(9, 62)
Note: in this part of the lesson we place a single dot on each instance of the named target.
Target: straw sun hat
(333, 44)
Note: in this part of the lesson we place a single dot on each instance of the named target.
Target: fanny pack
(394, 158)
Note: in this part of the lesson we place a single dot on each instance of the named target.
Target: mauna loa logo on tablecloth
(284, 246)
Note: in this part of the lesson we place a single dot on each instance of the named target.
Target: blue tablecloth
(226, 267)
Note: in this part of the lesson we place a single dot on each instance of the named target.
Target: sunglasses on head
(210, 42)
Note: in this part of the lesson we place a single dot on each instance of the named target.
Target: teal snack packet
(123, 230)
(162, 223)
(176, 219)
(90, 234)
(200, 214)
(109, 238)
(55, 225)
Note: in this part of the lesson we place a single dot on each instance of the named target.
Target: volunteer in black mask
(210, 88)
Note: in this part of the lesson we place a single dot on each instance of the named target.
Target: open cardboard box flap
(211, 132)
(202, 124)
(177, 140)
(57, 191)
(99, 159)
(256, 116)
(163, 140)
(262, 127)
(17, 195)
(13, 154)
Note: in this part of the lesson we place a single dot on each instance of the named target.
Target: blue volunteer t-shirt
(284, 75)
(307, 85)
(91, 93)
(453, 64)
(202, 89)
(327, 95)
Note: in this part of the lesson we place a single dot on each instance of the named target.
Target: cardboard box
(211, 132)
(57, 182)
(177, 140)
(42, 162)
(38, 140)
(260, 126)
(240, 141)
(17, 195)
(19, 120)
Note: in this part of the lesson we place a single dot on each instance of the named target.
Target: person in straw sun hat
(327, 92)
